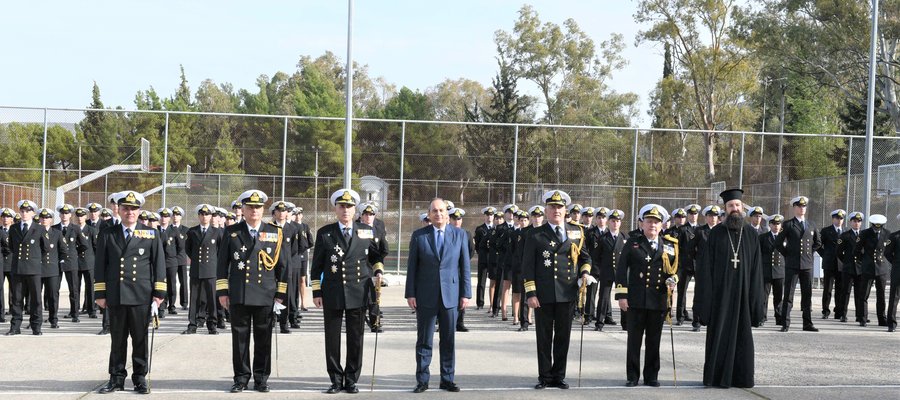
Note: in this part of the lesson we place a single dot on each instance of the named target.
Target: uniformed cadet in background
(367, 216)
(831, 264)
(605, 250)
(281, 211)
(495, 272)
(341, 279)
(574, 213)
(252, 283)
(648, 269)
(554, 261)
(202, 247)
(773, 267)
(93, 217)
(183, 262)
(54, 258)
(797, 241)
(587, 215)
(757, 219)
(173, 244)
(130, 284)
(306, 241)
(875, 268)
(456, 219)
(86, 258)
(230, 219)
(482, 238)
(237, 209)
(500, 303)
(892, 255)
(697, 249)
(25, 242)
(424, 218)
(516, 238)
(71, 234)
(6, 220)
(851, 267)
(536, 215)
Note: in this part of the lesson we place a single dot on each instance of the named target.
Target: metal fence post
(741, 173)
(165, 160)
(515, 165)
(849, 167)
(634, 175)
(284, 157)
(400, 202)
(44, 165)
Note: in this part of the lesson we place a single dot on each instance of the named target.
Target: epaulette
(670, 238)
(576, 223)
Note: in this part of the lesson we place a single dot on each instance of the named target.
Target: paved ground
(493, 361)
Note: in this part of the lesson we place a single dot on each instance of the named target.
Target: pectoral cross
(735, 261)
(648, 258)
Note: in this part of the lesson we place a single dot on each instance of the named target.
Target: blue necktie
(439, 241)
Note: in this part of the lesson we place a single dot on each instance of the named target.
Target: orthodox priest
(736, 298)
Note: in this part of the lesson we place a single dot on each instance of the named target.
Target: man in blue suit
(437, 287)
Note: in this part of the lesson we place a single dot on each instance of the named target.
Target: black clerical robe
(735, 302)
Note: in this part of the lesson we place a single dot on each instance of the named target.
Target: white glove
(154, 309)
(590, 280)
(671, 282)
(278, 307)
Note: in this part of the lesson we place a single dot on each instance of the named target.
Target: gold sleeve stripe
(586, 268)
(222, 284)
(282, 287)
(530, 286)
(378, 267)
(161, 286)
(316, 284)
(100, 286)
(621, 289)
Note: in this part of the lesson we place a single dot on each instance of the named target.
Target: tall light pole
(348, 134)
(870, 111)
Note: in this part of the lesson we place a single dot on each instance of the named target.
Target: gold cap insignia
(254, 197)
(556, 196)
(346, 196)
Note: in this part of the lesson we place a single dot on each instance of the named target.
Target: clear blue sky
(54, 50)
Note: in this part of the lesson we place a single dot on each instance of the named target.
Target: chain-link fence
(403, 164)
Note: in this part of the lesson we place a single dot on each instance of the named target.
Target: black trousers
(851, 281)
(892, 303)
(604, 308)
(647, 325)
(182, 285)
(590, 301)
(169, 302)
(73, 281)
(291, 303)
(482, 282)
(832, 281)
(684, 279)
(260, 319)
(774, 287)
(29, 285)
(3, 296)
(125, 321)
(87, 278)
(791, 277)
(207, 288)
(553, 327)
(51, 297)
(880, 282)
(355, 320)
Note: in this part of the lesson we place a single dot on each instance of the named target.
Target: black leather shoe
(295, 325)
(598, 328)
(37, 333)
(843, 319)
(810, 328)
(449, 386)
(92, 316)
(561, 384)
(863, 324)
(825, 314)
(238, 388)
(688, 318)
(696, 328)
(678, 322)
(142, 388)
(630, 383)
(76, 319)
(335, 388)
(784, 328)
(462, 329)
(351, 388)
(189, 331)
(541, 385)
(420, 387)
(892, 328)
(172, 311)
(285, 329)
(54, 325)
(523, 328)
(103, 331)
(13, 332)
(112, 387)
(220, 325)
(261, 387)
(213, 331)
(652, 383)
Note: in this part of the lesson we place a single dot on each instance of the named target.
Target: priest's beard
(735, 220)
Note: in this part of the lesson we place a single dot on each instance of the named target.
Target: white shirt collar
(342, 226)
(133, 227)
(256, 228)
